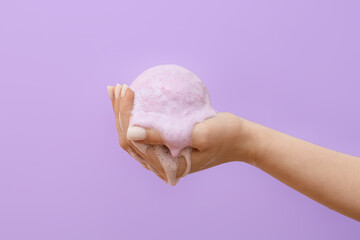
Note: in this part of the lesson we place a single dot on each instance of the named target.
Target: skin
(328, 177)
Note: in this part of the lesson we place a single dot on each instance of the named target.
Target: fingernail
(110, 92)
(123, 90)
(136, 133)
(117, 90)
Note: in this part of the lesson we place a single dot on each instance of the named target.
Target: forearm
(329, 177)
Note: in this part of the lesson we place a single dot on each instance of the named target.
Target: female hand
(216, 140)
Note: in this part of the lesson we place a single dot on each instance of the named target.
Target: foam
(171, 100)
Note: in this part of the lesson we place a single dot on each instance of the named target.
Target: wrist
(251, 141)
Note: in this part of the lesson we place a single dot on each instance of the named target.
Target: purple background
(290, 65)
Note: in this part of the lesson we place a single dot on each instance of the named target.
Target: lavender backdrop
(290, 65)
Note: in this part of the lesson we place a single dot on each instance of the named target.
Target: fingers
(122, 98)
(114, 93)
(115, 97)
(124, 105)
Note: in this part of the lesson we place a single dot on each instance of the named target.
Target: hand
(216, 140)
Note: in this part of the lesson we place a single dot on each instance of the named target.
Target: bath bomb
(171, 100)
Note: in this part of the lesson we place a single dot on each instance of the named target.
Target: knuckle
(201, 137)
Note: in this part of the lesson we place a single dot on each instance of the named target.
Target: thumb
(146, 136)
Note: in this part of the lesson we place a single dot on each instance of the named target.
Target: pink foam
(171, 100)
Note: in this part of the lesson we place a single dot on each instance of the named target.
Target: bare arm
(329, 177)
